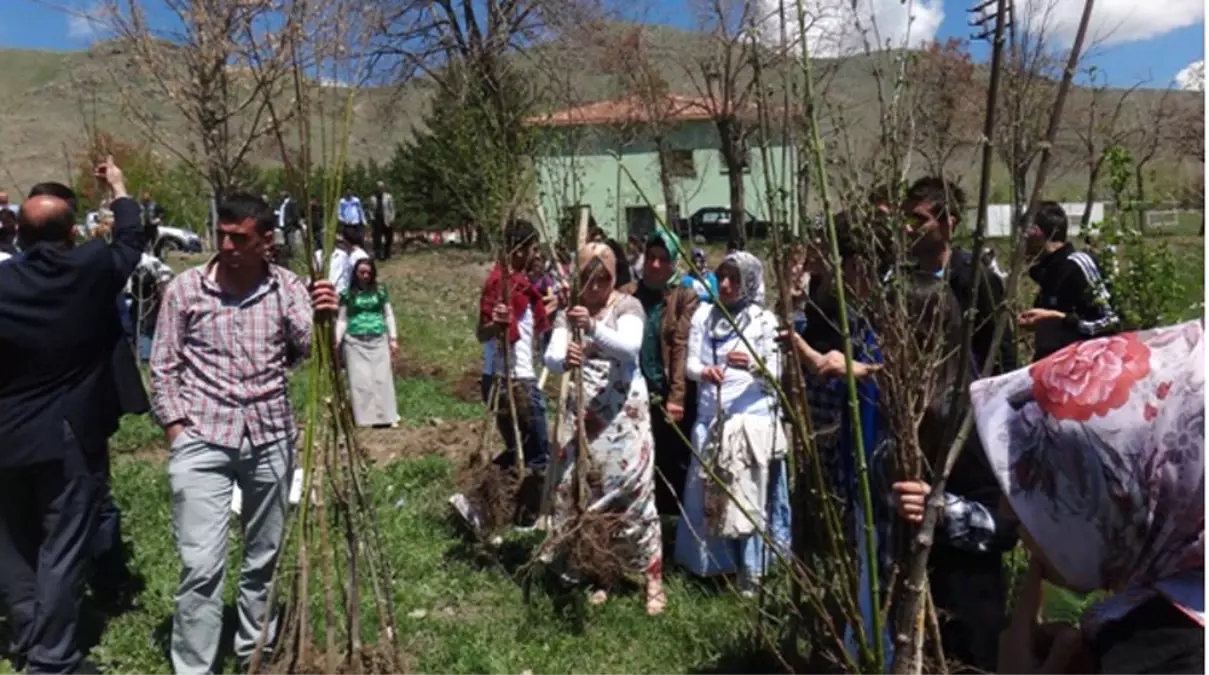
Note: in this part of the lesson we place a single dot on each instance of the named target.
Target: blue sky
(1148, 41)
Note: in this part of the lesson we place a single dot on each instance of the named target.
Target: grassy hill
(53, 97)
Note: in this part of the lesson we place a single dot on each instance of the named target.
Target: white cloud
(1112, 21)
(842, 27)
(85, 24)
(1192, 77)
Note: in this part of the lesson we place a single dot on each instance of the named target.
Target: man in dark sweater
(1072, 302)
(933, 210)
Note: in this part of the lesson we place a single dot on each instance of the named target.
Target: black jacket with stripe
(1070, 282)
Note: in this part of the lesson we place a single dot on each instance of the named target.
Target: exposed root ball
(491, 490)
(592, 551)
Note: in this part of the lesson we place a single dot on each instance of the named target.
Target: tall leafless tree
(721, 72)
(194, 56)
(1100, 123)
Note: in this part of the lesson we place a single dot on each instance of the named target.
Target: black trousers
(673, 453)
(107, 551)
(47, 515)
(384, 236)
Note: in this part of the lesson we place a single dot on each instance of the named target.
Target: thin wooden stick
(581, 433)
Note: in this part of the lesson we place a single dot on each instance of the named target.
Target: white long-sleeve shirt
(621, 344)
(743, 391)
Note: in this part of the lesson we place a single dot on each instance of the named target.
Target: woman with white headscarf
(1100, 451)
(737, 487)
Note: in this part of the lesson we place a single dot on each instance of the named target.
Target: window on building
(747, 164)
(680, 164)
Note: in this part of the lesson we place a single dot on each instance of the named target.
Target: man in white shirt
(345, 256)
(350, 212)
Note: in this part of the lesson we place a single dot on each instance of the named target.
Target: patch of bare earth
(455, 440)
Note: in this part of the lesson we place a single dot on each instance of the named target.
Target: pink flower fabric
(1100, 450)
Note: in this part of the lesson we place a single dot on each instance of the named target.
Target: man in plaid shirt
(227, 335)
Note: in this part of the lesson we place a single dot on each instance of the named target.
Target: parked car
(712, 223)
(170, 238)
(176, 239)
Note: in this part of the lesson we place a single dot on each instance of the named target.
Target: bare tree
(652, 109)
(723, 77)
(1099, 125)
(1162, 123)
(946, 103)
(196, 61)
(1029, 88)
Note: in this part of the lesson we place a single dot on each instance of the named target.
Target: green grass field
(459, 612)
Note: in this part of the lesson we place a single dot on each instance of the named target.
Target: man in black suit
(59, 401)
(111, 581)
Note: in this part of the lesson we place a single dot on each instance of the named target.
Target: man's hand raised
(110, 175)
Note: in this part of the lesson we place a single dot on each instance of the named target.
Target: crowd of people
(1092, 456)
(681, 419)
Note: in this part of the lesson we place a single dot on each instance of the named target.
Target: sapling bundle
(333, 580)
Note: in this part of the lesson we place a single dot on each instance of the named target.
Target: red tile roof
(624, 111)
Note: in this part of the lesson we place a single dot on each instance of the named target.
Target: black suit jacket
(59, 332)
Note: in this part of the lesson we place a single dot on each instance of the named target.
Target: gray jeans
(201, 476)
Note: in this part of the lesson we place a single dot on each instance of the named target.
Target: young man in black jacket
(1072, 302)
(933, 210)
(965, 563)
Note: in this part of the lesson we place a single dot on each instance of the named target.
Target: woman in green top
(365, 329)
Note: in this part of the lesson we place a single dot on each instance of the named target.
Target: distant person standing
(153, 217)
(58, 404)
(597, 235)
(288, 224)
(230, 330)
(315, 223)
(382, 210)
(1072, 301)
(368, 339)
(350, 212)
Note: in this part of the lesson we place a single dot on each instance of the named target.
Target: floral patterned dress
(618, 426)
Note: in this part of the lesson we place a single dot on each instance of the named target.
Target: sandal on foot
(656, 602)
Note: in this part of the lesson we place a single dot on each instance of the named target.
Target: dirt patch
(454, 440)
(469, 386)
(405, 367)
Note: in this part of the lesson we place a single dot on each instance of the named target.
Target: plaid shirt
(220, 364)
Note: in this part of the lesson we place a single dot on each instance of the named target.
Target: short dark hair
(353, 235)
(241, 206)
(884, 194)
(56, 227)
(1051, 220)
(53, 189)
(519, 232)
(946, 197)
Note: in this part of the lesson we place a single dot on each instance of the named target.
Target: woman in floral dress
(616, 418)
